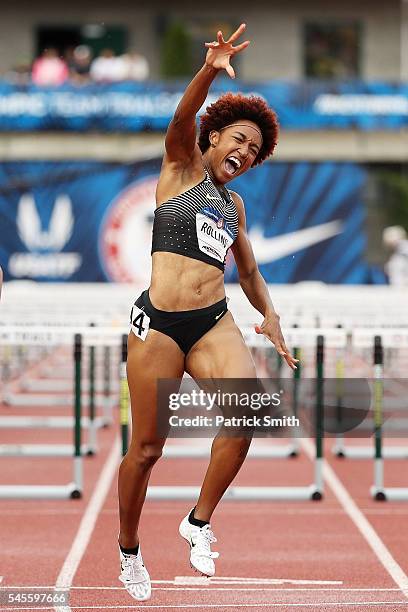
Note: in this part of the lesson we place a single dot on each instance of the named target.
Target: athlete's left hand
(220, 51)
(271, 328)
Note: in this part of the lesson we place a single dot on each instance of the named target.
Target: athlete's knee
(236, 446)
(146, 454)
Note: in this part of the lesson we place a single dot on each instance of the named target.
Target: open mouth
(232, 165)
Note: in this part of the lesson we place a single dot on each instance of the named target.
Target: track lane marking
(102, 486)
(217, 580)
(363, 525)
(280, 604)
(87, 524)
(210, 589)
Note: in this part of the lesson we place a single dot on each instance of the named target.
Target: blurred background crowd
(97, 52)
(79, 66)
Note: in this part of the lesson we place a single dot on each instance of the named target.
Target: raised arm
(255, 288)
(180, 139)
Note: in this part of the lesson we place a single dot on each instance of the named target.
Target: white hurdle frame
(111, 337)
(336, 338)
(389, 338)
(52, 336)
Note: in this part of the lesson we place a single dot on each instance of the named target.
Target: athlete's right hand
(219, 53)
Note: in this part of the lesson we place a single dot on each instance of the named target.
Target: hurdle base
(317, 495)
(368, 452)
(42, 450)
(378, 494)
(24, 400)
(390, 494)
(273, 452)
(238, 493)
(39, 491)
(51, 422)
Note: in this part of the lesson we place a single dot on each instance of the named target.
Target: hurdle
(379, 339)
(73, 489)
(291, 449)
(10, 399)
(124, 397)
(91, 422)
(53, 336)
(13, 359)
(317, 338)
(366, 338)
(103, 402)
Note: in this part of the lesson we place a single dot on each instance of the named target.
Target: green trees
(176, 52)
(394, 186)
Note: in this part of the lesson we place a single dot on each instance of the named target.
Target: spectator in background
(80, 64)
(20, 73)
(135, 66)
(69, 56)
(107, 68)
(49, 69)
(396, 268)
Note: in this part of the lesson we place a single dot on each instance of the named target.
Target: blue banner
(92, 221)
(135, 107)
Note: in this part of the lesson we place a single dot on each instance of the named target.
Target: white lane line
(192, 580)
(234, 605)
(210, 589)
(368, 532)
(87, 524)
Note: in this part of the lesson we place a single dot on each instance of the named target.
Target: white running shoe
(199, 540)
(135, 576)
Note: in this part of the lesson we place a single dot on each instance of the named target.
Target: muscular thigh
(157, 357)
(221, 353)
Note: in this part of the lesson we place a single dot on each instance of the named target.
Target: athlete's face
(234, 149)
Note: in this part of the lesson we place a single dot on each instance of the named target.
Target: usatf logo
(220, 223)
(44, 259)
(125, 238)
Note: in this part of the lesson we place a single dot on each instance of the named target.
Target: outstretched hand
(219, 53)
(272, 330)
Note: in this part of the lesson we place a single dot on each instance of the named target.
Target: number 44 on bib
(139, 322)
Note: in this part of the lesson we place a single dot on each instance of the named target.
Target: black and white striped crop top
(198, 223)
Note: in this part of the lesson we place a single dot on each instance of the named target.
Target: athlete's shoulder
(236, 197)
(239, 202)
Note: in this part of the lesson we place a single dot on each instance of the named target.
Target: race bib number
(213, 234)
(139, 322)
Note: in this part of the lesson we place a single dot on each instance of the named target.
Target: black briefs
(185, 327)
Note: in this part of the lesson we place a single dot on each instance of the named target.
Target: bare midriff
(183, 283)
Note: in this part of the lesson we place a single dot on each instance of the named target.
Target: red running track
(282, 556)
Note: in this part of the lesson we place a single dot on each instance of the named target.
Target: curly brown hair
(232, 107)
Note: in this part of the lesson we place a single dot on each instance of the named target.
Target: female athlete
(181, 323)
